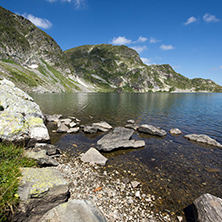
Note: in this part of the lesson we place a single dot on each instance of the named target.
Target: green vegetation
(12, 158)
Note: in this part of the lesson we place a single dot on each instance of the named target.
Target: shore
(119, 198)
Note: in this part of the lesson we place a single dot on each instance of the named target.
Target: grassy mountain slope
(120, 68)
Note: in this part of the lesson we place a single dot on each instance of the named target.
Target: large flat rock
(74, 211)
(40, 190)
(208, 208)
(20, 117)
(119, 137)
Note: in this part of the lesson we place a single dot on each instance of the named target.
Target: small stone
(137, 194)
(179, 218)
(73, 130)
(72, 124)
(131, 121)
(175, 131)
(62, 129)
(135, 184)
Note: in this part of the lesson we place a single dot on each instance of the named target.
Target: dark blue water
(172, 168)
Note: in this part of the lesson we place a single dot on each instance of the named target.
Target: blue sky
(187, 34)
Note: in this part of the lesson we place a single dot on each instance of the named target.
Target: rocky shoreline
(63, 182)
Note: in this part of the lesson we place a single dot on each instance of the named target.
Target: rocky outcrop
(201, 138)
(40, 190)
(21, 119)
(119, 137)
(74, 211)
(93, 156)
(208, 208)
(156, 131)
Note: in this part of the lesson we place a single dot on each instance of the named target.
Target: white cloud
(121, 40)
(210, 18)
(142, 39)
(146, 61)
(190, 20)
(40, 22)
(139, 49)
(78, 3)
(166, 47)
(154, 40)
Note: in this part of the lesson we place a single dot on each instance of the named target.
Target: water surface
(172, 167)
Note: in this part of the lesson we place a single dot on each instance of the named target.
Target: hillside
(31, 58)
(120, 68)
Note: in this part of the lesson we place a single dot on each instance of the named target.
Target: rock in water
(40, 190)
(208, 208)
(201, 138)
(152, 130)
(94, 156)
(175, 131)
(74, 211)
(118, 138)
(21, 118)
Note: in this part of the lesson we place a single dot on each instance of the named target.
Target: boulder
(73, 130)
(94, 156)
(118, 138)
(62, 128)
(42, 159)
(175, 131)
(40, 190)
(152, 130)
(74, 211)
(21, 119)
(201, 138)
(208, 208)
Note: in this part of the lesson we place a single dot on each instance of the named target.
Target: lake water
(172, 167)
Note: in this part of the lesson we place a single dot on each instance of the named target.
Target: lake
(172, 168)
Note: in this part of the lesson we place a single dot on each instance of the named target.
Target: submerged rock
(152, 130)
(40, 190)
(95, 127)
(208, 208)
(74, 211)
(94, 156)
(20, 117)
(201, 138)
(118, 138)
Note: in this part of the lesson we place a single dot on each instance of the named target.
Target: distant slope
(120, 68)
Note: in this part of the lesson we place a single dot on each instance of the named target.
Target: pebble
(118, 201)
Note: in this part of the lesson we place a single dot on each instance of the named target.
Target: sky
(187, 34)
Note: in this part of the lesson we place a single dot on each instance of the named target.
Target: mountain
(35, 63)
(120, 68)
(31, 58)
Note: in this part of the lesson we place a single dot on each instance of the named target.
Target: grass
(11, 159)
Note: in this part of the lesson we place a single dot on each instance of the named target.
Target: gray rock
(72, 124)
(74, 211)
(62, 128)
(102, 126)
(90, 129)
(152, 130)
(131, 121)
(94, 156)
(42, 159)
(201, 138)
(135, 184)
(66, 121)
(53, 118)
(40, 190)
(50, 149)
(118, 138)
(21, 118)
(175, 131)
(73, 130)
(208, 208)
(132, 126)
